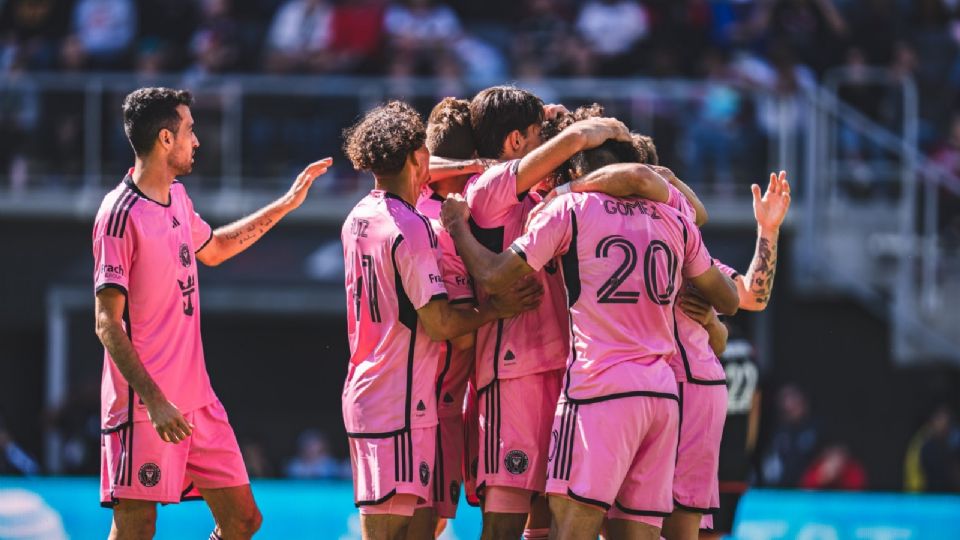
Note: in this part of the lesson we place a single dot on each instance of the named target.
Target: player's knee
(243, 525)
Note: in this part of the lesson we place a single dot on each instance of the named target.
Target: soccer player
(520, 361)
(615, 429)
(449, 135)
(397, 311)
(146, 240)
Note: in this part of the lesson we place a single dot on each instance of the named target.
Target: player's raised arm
(166, 418)
(231, 239)
(496, 273)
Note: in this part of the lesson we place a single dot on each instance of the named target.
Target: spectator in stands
(314, 459)
(13, 460)
(542, 39)
(299, 36)
(612, 30)
(165, 31)
(215, 45)
(105, 30)
(714, 131)
(932, 463)
(794, 441)
(418, 31)
(812, 29)
(835, 468)
(356, 35)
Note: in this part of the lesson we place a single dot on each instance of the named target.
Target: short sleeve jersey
(623, 261)
(146, 250)
(455, 366)
(390, 259)
(535, 341)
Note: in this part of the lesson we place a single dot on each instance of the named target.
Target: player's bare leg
(423, 525)
(497, 526)
(389, 526)
(133, 520)
(573, 520)
(623, 529)
(499, 523)
(234, 511)
(539, 518)
(682, 525)
(441, 526)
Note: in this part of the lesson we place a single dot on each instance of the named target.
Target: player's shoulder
(118, 205)
(498, 172)
(412, 223)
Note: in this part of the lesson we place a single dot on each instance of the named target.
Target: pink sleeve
(113, 259)
(492, 194)
(679, 202)
(696, 258)
(200, 231)
(548, 234)
(728, 270)
(456, 279)
(416, 262)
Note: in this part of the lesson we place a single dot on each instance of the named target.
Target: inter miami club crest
(184, 255)
(424, 473)
(516, 462)
(149, 474)
(454, 490)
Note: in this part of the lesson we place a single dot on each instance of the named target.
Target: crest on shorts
(185, 255)
(149, 474)
(516, 462)
(424, 473)
(454, 491)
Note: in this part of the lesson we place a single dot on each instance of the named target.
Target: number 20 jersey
(623, 261)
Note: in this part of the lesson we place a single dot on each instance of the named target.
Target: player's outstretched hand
(454, 210)
(526, 294)
(771, 209)
(298, 191)
(596, 131)
(169, 423)
(696, 307)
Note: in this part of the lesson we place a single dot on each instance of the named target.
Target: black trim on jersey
(563, 460)
(519, 252)
(380, 435)
(491, 239)
(203, 245)
(183, 494)
(467, 300)
(128, 452)
(438, 296)
(571, 264)
(676, 456)
(435, 196)
(492, 425)
(113, 211)
(381, 500)
(403, 457)
(123, 220)
(116, 286)
(128, 180)
(188, 499)
(585, 500)
(620, 395)
(439, 481)
(695, 509)
(634, 512)
(686, 363)
(407, 316)
(735, 275)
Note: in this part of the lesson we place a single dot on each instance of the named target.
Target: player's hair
(148, 110)
(381, 141)
(644, 144)
(449, 133)
(498, 111)
(587, 161)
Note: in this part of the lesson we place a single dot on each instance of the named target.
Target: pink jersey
(146, 250)
(730, 271)
(390, 256)
(695, 361)
(534, 341)
(455, 366)
(620, 261)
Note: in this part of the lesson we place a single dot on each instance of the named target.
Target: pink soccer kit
(453, 371)
(145, 249)
(615, 428)
(519, 360)
(389, 396)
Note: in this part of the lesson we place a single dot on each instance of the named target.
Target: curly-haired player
(397, 312)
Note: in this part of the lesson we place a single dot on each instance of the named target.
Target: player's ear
(514, 141)
(165, 137)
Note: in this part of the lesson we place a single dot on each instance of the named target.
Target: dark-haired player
(146, 241)
(397, 311)
(520, 361)
(615, 430)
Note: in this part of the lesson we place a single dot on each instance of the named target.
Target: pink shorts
(448, 471)
(135, 463)
(703, 411)
(383, 467)
(471, 445)
(515, 419)
(617, 455)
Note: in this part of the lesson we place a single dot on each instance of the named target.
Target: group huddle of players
(532, 315)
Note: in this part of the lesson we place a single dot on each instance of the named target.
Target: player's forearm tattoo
(763, 268)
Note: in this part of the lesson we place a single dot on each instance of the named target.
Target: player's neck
(450, 185)
(153, 179)
(398, 185)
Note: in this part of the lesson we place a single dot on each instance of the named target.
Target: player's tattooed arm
(229, 240)
(770, 210)
(166, 418)
(442, 168)
(622, 180)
